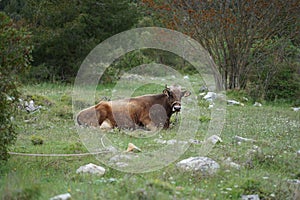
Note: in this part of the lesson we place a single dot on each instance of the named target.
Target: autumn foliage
(231, 30)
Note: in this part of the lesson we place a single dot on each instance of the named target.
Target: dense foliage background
(15, 55)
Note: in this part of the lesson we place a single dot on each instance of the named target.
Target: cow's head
(174, 94)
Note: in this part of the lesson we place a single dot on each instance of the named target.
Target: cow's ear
(166, 92)
(185, 93)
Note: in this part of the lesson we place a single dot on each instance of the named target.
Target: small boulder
(214, 139)
(204, 165)
(210, 96)
(228, 162)
(62, 197)
(257, 104)
(91, 169)
(234, 102)
(250, 197)
(242, 139)
(296, 109)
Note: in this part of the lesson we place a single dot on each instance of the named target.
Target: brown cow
(149, 111)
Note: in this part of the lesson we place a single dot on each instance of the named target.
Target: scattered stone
(228, 162)
(169, 142)
(91, 169)
(294, 187)
(173, 141)
(133, 148)
(210, 96)
(194, 141)
(298, 152)
(257, 104)
(242, 139)
(210, 106)
(294, 181)
(245, 99)
(234, 102)
(62, 197)
(250, 197)
(30, 107)
(111, 149)
(255, 149)
(204, 165)
(296, 109)
(122, 160)
(186, 77)
(160, 141)
(214, 139)
(203, 88)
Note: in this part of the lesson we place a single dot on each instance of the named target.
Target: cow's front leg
(150, 125)
(167, 123)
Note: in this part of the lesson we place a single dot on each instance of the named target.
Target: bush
(15, 55)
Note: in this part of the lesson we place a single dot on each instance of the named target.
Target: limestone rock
(210, 96)
(242, 139)
(228, 162)
(257, 104)
(296, 109)
(250, 197)
(214, 139)
(62, 197)
(91, 169)
(233, 102)
(204, 165)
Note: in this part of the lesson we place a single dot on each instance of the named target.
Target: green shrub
(15, 55)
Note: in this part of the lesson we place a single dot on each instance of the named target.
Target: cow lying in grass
(149, 111)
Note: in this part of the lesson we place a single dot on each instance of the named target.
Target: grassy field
(266, 164)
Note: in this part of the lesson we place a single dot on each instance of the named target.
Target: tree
(15, 55)
(65, 31)
(230, 29)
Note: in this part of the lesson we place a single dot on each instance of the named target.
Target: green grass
(265, 172)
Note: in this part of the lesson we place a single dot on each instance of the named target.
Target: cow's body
(149, 111)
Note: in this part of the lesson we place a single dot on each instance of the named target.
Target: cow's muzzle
(176, 106)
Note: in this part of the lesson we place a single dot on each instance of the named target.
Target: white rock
(245, 99)
(30, 107)
(234, 102)
(62, 197)
(186, 77)
(203, 165)
(194, 141)
(242, 139)
(257, 104)
(250, 197)
(202, 94)
(214, 139)
(210, 96)
(294, 181)
(296, 109)
(229, 163)
(160, 141)
(91, 168)
(173, 141)
(298, 152)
